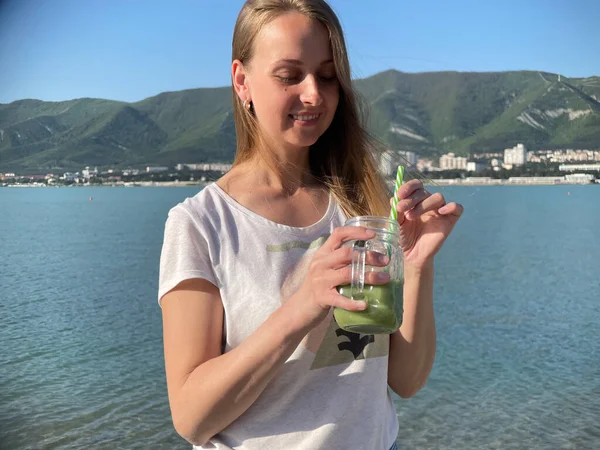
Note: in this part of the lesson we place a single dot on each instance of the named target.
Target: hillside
(429, 113)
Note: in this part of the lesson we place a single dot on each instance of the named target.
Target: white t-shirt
(332, 391)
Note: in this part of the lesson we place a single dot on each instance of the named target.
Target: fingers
(339, 301)
(343, 234)
(430, 203)
(343, 256)
(376, 259)
(409, 195)
(407, 189)
(412, 201)
(415, 200)
(343, 276)
(454, 209)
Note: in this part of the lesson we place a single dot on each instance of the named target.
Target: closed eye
(296, 79)
(288, 80)
(328, 79)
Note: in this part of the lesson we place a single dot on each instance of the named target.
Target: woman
(250, 264)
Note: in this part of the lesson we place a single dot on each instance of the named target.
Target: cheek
(276, 99)
(283, 104)
(272, 108)
(332, 93)
(333, 98)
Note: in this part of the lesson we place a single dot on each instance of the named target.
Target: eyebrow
(297, 62)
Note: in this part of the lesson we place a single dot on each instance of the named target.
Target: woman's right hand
(329, 268)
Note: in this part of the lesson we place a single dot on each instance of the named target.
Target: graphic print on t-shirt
(343, 347)
(330, 344)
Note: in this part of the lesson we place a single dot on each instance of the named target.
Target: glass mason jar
(384, 302)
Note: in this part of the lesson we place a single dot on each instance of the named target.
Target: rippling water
(517, 306)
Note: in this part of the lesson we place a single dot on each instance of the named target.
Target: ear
(240, 80)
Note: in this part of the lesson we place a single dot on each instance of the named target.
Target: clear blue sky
(132, 49)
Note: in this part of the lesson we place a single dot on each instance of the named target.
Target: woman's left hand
(426, 221)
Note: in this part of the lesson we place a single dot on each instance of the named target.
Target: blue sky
(132, 49)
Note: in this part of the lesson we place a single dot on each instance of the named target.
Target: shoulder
(200, 215)
(197, 208)
(192, 228)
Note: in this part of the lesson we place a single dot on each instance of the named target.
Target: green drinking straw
(399, 177)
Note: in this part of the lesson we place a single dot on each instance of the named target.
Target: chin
(304, 139)
(300, 144)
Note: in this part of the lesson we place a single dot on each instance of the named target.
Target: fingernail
(383, 259)
(361, 304)
(381, 276)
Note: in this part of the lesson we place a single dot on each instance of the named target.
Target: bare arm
(209, 390)
(425, 223)
(412, 347)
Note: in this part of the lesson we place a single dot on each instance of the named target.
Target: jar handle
(358, 270)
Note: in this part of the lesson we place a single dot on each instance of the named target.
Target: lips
(305, 117)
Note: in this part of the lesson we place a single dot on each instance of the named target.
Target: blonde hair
(343, 158)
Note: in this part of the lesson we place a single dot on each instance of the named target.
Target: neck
(286, 170)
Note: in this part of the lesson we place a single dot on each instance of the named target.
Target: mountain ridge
(429, 113)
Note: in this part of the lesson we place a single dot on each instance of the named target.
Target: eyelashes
(296, 79)
(287, 80)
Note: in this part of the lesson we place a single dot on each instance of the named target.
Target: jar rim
(377, 223)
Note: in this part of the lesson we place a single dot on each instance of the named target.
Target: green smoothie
(384, 309)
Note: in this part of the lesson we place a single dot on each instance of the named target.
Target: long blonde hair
(343, 158)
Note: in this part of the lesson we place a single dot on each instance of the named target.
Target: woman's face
(291, 81)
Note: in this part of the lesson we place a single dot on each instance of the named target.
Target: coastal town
(515, 165)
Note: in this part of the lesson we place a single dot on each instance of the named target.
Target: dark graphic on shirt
(343, 347)
(355, 343)
(327, 341)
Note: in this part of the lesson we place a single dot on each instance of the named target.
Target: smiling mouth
(305, 117)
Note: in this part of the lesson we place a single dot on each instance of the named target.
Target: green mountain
(429, 113)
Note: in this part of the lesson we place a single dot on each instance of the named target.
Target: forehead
(292, 36)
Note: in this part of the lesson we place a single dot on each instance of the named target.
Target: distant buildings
(581, 178)
(386, 163)
(206, 167)
(515, 156)
(487, 155)
(89, 173)
(426, 165)
(533, 158)
(582, 167)
(220, 167)
(450, 161)
(408, 158)
(473, 166)
(70, 177)
(565, 155)
(156, 169)
(390, 160)
(536, 180)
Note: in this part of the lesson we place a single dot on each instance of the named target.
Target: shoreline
(127, 185)
(500, 182)
(439, 182)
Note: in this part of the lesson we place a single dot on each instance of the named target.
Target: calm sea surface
(517, 305)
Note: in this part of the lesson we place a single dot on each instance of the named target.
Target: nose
(311, 94)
